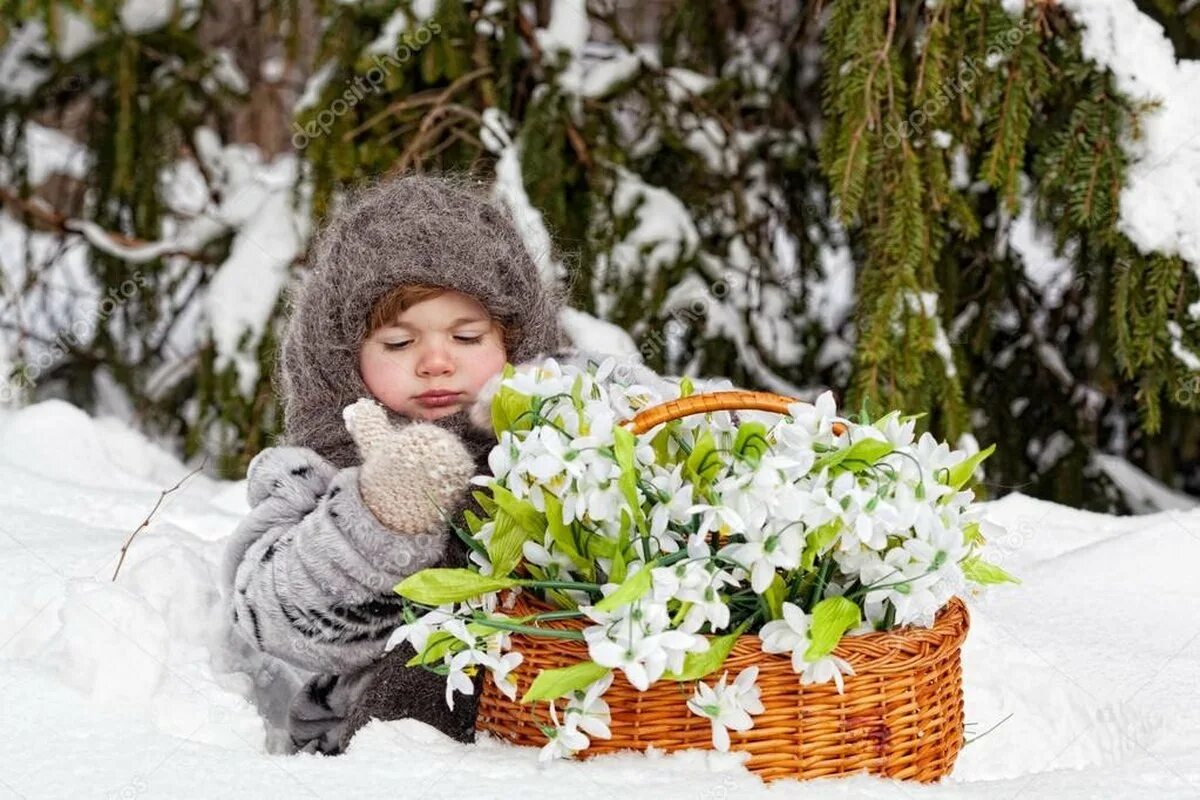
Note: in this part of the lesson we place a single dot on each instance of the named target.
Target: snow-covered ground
(128, 689)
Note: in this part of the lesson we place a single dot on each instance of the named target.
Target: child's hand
(411, 474)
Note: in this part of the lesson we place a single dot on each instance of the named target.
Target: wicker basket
(901, 714)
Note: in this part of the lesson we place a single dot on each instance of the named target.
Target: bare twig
(55, 220)
(146, 521)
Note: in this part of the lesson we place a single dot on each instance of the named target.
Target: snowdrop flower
(500, 674)
(765, 550)
(675, 509)
(637, 640)
(698, 582)
(717, 518)
(817, 506)
(588, 711)
(417, 632)
(565, 739)
(559, 562)
(728, 707)
(457, 680)
(594, 503)
(790, 634)
(810, 423)
(898, 434)
(501, 458)
(545, 379)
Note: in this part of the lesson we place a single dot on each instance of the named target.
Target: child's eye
(395, 345)
(469, 339)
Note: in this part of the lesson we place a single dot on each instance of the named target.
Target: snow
(398, 24)
(270, 232)
(663, 234)
(1034, 245)
(143, 16)
(568, 28)
(313, 88)
(1142, 491)
(509, 189)
(597, 335)
(1162, 191)
(75, 33)
(132, 686)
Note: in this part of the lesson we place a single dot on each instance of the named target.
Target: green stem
(819, 586)
(547, 633)
(552, 615)
(529, 583)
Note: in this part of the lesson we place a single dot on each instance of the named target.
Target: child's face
(447, 343)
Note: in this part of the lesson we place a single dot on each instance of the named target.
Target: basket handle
(706, 402)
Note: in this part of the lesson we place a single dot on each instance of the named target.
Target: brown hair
(404, 297)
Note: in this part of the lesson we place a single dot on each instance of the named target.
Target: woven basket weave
(901, 714)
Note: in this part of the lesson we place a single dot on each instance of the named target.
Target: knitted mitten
(412, 477)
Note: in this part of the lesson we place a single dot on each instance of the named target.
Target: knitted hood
(414, 229)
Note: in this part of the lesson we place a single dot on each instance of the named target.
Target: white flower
(764, 551)
(790, 634)
(565, 739)
(717, 518)
(898, 434)
(728, 707)
(457, 679)
(537, 554)
(674, 509)
(637, 640)
(588, 710)
(500, 670)
(417, 632)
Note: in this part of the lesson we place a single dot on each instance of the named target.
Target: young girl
(420, 291)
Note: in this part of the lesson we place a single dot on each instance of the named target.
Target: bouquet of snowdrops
(800, 529)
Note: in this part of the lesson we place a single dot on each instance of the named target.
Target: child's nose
(435, 361)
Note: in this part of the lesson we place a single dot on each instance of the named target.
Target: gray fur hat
(442, 231)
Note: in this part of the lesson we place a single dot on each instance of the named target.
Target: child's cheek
(491, 364)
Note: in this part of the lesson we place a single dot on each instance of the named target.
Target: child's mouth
(438, 399)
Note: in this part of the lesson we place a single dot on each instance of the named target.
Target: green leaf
(686, 387)
(972, 534)
(532, 522)
(474, 523)
(439, 585)
(623, 446)
(659, 443)
(697, 665)
(550, 684)
(616, 573)
(961, 472)
(439, 642)
(977, 570)
(774, 597)
(816, 541)
(505, 548)
(863, 453)
(485, 502)
(435, 647)
(751, 442)
(631, 589)
(577, 392)
(704, 463)
(831, 617)
(510, 410)
(563, 539)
